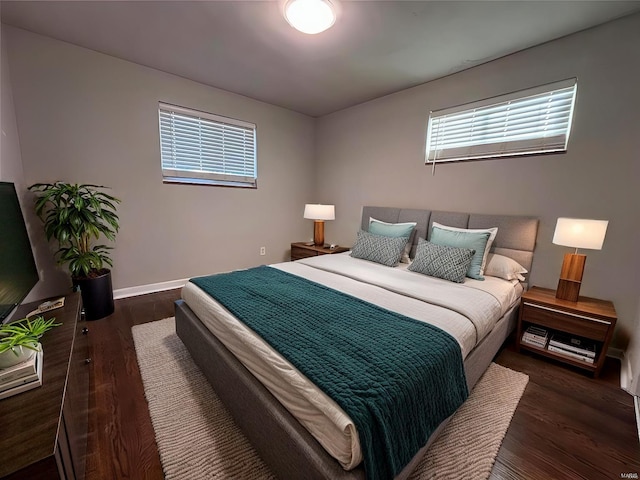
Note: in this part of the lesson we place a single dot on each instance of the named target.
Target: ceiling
(374, 48)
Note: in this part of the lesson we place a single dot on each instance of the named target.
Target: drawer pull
(85, 330)
(87, 361)
(555, 310)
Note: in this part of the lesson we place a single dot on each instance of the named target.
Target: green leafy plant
(24, 333)
(75, 215)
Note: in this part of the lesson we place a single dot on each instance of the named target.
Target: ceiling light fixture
(310, 16)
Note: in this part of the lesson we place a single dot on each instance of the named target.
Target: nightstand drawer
(297, 253)
(302, 250)
(574, 323)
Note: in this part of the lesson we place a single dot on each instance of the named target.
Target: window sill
(209, 183)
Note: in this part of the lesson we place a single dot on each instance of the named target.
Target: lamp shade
(315, 211)
(580, 233)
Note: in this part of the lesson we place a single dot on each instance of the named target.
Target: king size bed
(304, 420)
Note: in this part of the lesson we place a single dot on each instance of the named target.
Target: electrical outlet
(263, 250)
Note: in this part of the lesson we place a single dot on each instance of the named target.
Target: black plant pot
(97, 295)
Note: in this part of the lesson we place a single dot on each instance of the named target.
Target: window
(198, 147)
(531, 121)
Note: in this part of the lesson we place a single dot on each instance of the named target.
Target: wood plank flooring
(567, 425)
(121, 443)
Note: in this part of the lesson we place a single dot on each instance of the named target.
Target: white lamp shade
(316, 211)
(580, 233)
(310, 16)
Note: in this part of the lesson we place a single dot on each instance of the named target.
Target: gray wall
(11, 170)
(10, 159)
(633, 355)
(373, 154)
(87, 117)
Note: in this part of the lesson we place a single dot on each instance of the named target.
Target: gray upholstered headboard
(516, 237)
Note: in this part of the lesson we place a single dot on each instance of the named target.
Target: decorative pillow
(378, 248)
(448, 263)
(504, 267)
(378, 227)
(463, 238)
(493, 231)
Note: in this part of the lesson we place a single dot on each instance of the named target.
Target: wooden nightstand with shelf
(302, 250)
(588, 318)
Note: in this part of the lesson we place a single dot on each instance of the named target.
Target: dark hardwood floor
(121, 443)
(567, 424)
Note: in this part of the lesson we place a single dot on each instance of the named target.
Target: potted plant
(75, 216)
(19, 340)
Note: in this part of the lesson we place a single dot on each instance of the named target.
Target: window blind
(198, 147)
(522, 123)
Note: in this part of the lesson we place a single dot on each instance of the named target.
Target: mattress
(466, 311)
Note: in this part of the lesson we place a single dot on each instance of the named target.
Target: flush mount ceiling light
(310, 16)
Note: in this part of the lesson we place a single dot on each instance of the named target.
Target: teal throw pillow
(476, 241)
(378, 227)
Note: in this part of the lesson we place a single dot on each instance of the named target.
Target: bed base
(280, 440)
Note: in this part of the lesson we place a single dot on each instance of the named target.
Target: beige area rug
(197, 438)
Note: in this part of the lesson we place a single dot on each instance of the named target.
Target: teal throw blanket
(396, 378)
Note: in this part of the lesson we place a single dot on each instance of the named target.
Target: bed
(281, 427)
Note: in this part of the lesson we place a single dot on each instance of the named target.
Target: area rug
(197, 438)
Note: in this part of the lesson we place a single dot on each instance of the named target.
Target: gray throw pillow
(378, 248)
(448, 263)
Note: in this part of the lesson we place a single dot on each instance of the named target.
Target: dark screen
(18, 273)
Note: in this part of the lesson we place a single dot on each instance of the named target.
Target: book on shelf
(18, 381)
(20, 370)
(570, 354)
(20, 385)
(574, 344)
(537, 332)
(534, 342)
(534, 335)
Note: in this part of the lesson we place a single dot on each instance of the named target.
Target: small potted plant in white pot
(77, 215)
(19, 340)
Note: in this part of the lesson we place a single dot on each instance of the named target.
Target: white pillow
(493, 231)
(504, 267)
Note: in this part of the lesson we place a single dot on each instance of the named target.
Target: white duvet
(466, 311)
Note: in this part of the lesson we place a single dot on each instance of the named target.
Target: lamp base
(318, 233)
(571, 277)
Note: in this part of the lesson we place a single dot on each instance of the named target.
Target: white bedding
(466, 311)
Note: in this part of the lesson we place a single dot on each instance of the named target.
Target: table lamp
(576, 233)
(319, 213)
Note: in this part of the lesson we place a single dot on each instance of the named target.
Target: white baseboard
(151, 288)
(615, 353)
(626, 374)
(636, 404)
(625, 367)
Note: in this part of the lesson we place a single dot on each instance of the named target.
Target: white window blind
(522, 123)
(198, 147)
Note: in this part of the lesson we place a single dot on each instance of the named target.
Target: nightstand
(588, 318)
(302, 250)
